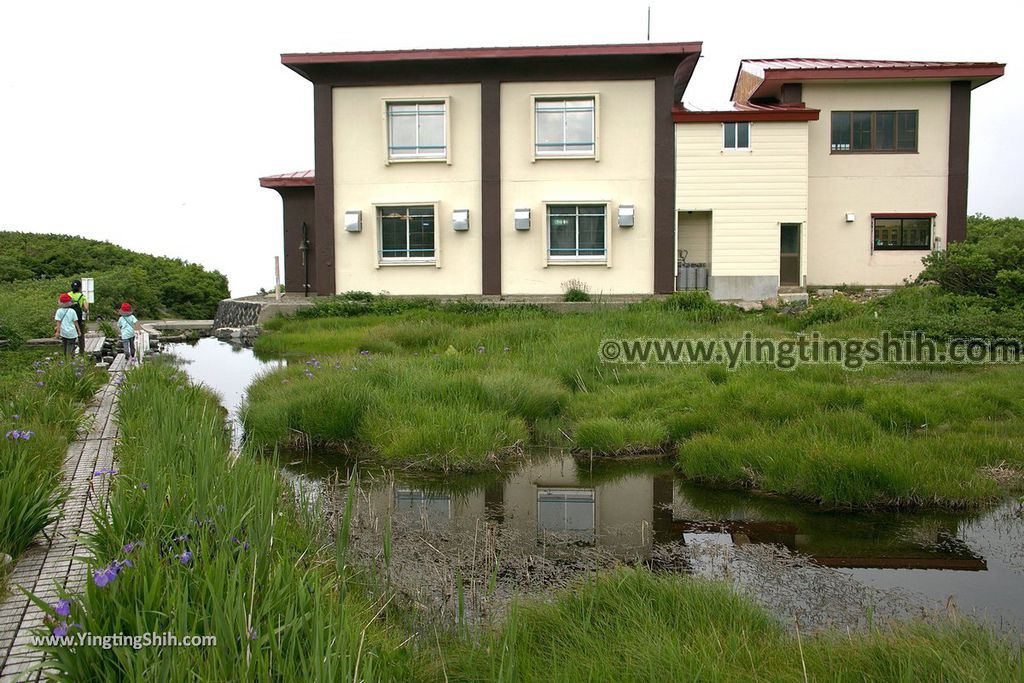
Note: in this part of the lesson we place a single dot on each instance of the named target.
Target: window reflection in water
(567, 513)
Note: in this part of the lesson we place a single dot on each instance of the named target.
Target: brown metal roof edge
(297, 179)
(680, 115)
(611, 49)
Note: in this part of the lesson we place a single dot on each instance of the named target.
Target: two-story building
(511, 171)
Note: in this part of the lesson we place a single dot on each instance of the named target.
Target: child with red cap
(128, 323)
(67, 328)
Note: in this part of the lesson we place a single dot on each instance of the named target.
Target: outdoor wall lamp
(353, 221)
(626, 215)
(851, 217)
(522, 219)
(460, 219)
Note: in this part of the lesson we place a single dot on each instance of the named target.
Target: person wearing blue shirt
(128, 324)
(67, 328)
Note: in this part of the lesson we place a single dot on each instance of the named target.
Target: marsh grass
(632, 625)
(41, 403)
(204, 545)
(438, 387)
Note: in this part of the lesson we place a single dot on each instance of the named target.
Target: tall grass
(632, 625)
(440, 387)
(41, 402)
(193, 543)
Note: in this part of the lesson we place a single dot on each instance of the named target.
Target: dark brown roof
(294, 179)
(489, 53)
(743, 111)
(773, 72)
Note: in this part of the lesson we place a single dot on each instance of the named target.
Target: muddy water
(468, 544)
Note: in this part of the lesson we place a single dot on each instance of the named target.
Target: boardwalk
(48, 566)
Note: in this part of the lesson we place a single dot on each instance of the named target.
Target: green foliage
(698, 306)
(634, 625)
(830, 310)
(575, 290)
(36, 268)
(43, 396)
(989, 263)
(609, 435)
(218, 548)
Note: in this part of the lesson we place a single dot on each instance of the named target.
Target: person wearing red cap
(128, 324)
(67, 328)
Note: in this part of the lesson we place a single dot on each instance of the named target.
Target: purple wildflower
(15, 417)
(101, 472)
(144, 486)
(13, 435)
(40, 384)
(185, 557)
(40, 372)
(129, 547)
(62, 608)
(60, 630)
(364, 352)
(102, 577)
(252, 633)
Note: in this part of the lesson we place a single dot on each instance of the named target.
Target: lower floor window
(895, 232)
(576, 231)
(406, 232)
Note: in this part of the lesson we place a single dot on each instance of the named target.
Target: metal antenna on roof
(648, 23)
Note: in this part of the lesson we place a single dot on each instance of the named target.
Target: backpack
(76, 304)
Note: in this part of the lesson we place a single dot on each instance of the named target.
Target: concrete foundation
(743, 287)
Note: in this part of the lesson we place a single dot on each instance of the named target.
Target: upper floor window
(565, 127)
(417, 130)
(407, 233)
(900, 232)
(874, 131)
(736, 135)
(576, 232)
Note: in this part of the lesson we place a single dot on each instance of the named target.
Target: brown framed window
(874, 132)
(895, 233)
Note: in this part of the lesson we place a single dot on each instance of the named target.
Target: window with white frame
(565, 127)
(567, 512)
(406, 233)
(417, 130)
(736, 135)
(576, 232)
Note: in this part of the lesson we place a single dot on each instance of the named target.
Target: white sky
(149, 124)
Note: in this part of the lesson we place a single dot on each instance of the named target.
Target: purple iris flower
(15, 417)
(60, 630)
(40, 384)
(364, 352)
(104, 576)
(62, 608)
(185, 557)
(129, 547)
(144, 486)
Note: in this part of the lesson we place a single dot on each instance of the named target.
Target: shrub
(830, 310)
(576, 290)
(990, 262)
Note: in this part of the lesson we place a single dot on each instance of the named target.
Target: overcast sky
(149, 124)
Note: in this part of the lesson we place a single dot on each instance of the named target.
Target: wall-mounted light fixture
(626, 215)
(522, 219)
(851, 217)
(937, 243)
(460, 219)
(353, 221)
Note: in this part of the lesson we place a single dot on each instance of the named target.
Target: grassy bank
(195, 544)
(41, 402)
(632, 625)
(457, 387)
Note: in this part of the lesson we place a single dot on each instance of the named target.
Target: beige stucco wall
(749, 193)
(363, 179)
(863, 184)
(622, 174)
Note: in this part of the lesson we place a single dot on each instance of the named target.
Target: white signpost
(89, 289)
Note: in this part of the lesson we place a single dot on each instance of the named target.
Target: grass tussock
(455, 386)
(632, 625)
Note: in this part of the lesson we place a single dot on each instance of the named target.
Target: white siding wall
(750, 193)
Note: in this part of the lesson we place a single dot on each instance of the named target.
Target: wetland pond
(466, 544)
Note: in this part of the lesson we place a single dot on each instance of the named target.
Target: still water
(543, 521)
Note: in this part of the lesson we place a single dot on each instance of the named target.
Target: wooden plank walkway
(47, 567)
(94, 344)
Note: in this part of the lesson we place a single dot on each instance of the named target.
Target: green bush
(36, 268)
(989, 263)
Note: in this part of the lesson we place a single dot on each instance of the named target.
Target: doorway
(789, 255)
